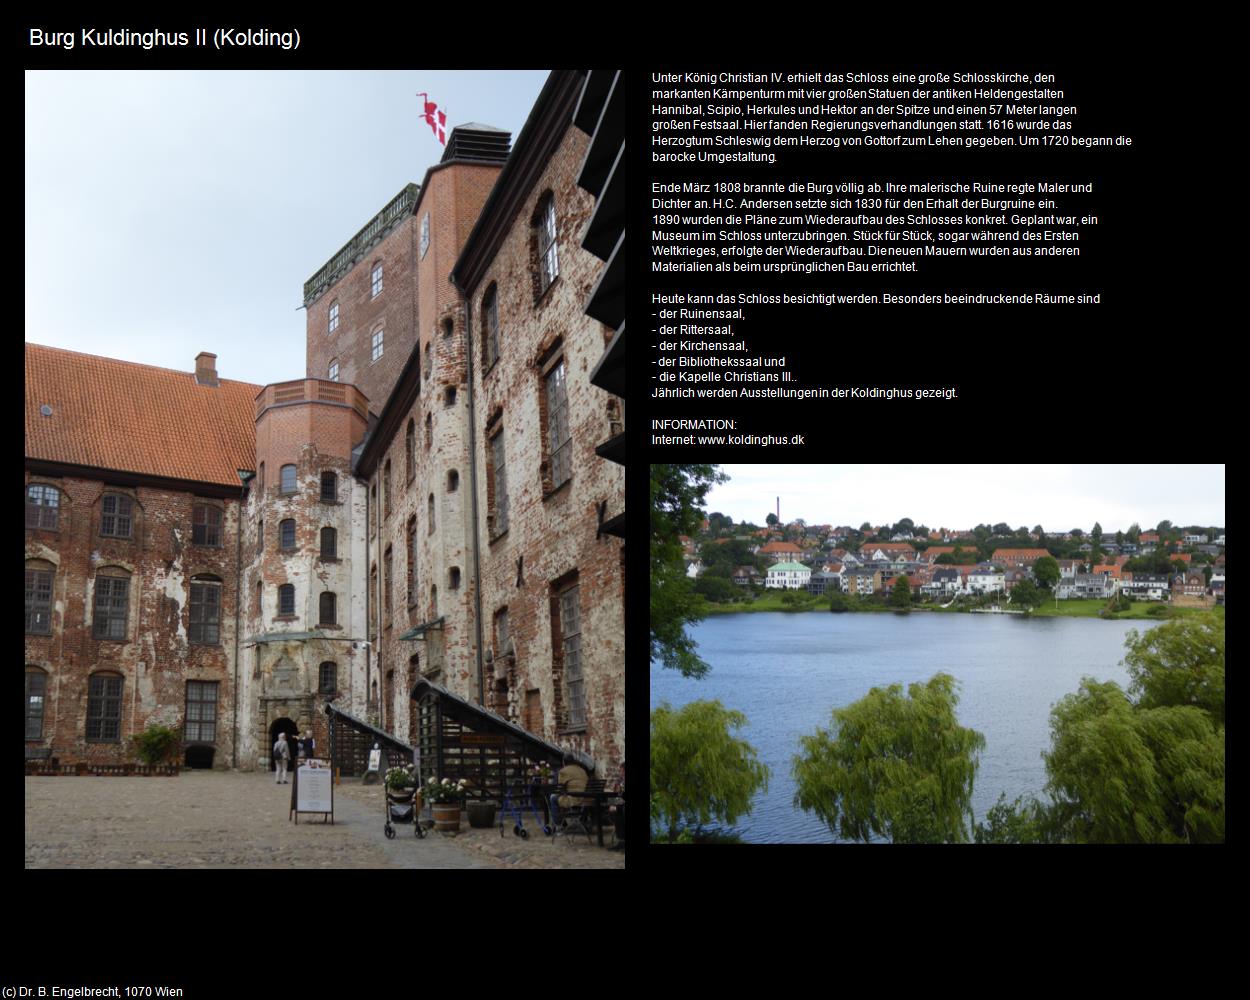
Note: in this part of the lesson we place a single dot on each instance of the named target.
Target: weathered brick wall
(360, 313)
(552, 534)
(156, 658)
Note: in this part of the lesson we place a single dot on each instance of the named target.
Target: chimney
(206, 369)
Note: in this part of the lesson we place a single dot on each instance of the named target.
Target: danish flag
(437, 120)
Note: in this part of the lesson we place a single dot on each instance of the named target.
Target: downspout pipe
(238, 608)
(477, 565)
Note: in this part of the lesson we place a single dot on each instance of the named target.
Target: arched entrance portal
(283, 726)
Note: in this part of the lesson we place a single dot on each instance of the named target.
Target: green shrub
(157, 744)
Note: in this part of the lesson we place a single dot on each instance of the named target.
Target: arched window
(43, 506)
(104, 708)
(206, 525)
(328, 609)
(286, 534)
(112, 603)
(39, 576)
(548, 258)
(453, 481)
(329, 543)
(260, 535)
(430, 516)
(286, 599)
(36, 691)
(328, 680)
(116, 516)
(205, 622)
(329, 487)
(287, 485)
(334, 316)
(490, 329)
(410, 448)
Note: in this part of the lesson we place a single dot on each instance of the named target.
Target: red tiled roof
(111, 414)
(1019, 554)
(772, 547)
(1112, 570)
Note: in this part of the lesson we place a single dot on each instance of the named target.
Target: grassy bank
(772, 602)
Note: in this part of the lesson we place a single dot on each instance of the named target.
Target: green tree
(839, 603)
(1134, 533)
(1047, 571)
(1026, 595)
(771, 520)
(945, 559)
(677, 497)
(716, 589)
(1122, 774)
(1163, 526)
(892, 766)
(1180, 663)
(699, 772)
(900, 595)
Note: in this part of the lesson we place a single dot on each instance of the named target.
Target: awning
(483, 720)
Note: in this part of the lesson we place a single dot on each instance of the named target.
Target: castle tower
(303, 544)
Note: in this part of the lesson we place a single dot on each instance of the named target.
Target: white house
(693, 569)
(1195, 539)
(788, 576)
(986, 580)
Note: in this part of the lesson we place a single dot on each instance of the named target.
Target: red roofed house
(1018, 557)
(781, 551)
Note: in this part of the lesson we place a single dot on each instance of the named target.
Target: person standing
(309, 745)
(281, 754)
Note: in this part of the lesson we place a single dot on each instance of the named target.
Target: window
(429, 430)
(329, 543)
(104, 708)
(328, 609)
(431, 514)
(201, 725)
(43, 505)
(260, 478)
(286, 534)
(453, 481)
(410, 448)
(490, 329)
(334, 317)
(376, 279)
(499, 476)
(112, 602)
(425, 235)
(453, 578)
(206, 525)
(329, 487)
(501, 632)
(376, 347)
(328, 679)
(559, 437)
(334, 371)
(39, 599)
(286, 599)
(260, 598)
(373, 508)
(386, 488)
(115, 519)
(36, 690)
(571, 646)
(287, 485)
(388, 565)
(449, 396)
(449, 327)
(412, 560)
(548, 262)
(205, 624)
(429, 361)
(260, 535)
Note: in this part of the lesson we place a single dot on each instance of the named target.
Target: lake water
(787, 672)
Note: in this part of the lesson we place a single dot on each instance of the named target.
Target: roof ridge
(137, 364)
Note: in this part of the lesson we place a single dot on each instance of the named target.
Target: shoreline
(1066, 609)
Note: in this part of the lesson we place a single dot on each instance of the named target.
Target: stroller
(401, 807)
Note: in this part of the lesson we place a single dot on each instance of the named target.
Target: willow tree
(700, 773)
(893, 766)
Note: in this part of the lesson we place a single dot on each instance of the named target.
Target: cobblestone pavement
(223, 819)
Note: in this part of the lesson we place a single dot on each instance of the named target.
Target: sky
(1058, 497)
(169, 213)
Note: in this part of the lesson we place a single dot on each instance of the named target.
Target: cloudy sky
(1059, 497)
(169, 213)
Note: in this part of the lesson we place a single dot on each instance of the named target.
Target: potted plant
(400, 778)
(445, 797)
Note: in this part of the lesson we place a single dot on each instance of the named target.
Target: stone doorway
(283, 726)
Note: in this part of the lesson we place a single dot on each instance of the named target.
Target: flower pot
(481, 815)
(447, 816)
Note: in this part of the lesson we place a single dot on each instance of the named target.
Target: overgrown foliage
(699, 772)
(157, 744)
(893, 766)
